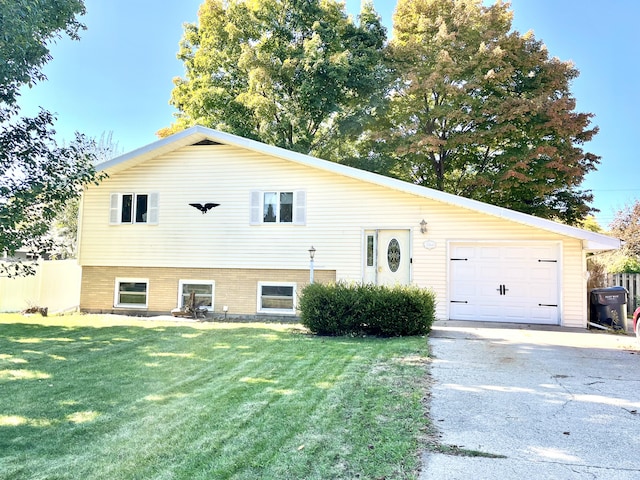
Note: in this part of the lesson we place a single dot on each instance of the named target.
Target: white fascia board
(591, 241)
(157, 148)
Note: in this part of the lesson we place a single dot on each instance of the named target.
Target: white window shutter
(300, 207)
(255, 217)
(152, 208)
(114, 210)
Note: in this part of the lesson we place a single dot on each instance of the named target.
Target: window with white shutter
(278, 207)
(300, 207)
(152, 216)
(130, 208)
(114, 208)
(256, 205)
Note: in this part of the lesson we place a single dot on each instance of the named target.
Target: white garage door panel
(488, 253)
(489, 314)
(488, 272)
(505, 282)
(516, 314)
(543, 270)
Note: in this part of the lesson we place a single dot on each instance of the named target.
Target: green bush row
(345, 309)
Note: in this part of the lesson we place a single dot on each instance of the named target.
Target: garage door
(505, 282)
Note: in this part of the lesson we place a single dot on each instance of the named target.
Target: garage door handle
(502, 289)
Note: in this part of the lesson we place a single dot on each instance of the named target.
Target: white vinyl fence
(630, 281)
(56, 285)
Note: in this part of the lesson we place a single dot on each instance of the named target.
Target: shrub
(624, 264)
(342, 309)
(615, 262)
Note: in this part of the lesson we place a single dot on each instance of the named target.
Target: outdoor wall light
(423, 226)
(312, 253)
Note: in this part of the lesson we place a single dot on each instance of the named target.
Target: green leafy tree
(626, 227)
(482, 111)
(37, 177)
(27, 30)
(591, 223)
(296, 74)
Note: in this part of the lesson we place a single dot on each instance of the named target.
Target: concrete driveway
(557, 403)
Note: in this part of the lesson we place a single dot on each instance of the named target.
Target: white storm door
(370, 256)
(393, 257)
(516, 282)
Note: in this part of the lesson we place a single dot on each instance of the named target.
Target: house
(144, 248)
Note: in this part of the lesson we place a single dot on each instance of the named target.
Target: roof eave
(591, 246)
(591, 241)
(164, 145)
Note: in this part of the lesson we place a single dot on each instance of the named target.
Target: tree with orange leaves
(482, 111)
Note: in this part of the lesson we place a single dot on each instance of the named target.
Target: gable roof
(591, 241)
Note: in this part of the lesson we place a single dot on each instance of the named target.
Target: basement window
(203, 289)
(131, 293)
(277, 298)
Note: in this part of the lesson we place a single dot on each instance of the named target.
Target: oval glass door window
(393, 255)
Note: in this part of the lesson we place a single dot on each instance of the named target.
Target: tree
(296, 74)
(481, 111)
(591, 223)
(37, 177)
(626, 226)
(27, 29)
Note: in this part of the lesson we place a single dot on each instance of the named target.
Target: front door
(387, 257)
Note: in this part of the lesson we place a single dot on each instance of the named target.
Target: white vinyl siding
(338, 210)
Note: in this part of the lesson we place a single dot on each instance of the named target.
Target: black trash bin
(609, 307)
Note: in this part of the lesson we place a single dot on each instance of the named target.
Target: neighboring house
(143, 248)
(22, 255)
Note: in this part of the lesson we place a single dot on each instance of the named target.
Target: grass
(110, 397)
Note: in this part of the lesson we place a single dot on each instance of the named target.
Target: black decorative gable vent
(207, 142)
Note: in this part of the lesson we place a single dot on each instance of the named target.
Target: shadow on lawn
(145, 399)
(62, 378)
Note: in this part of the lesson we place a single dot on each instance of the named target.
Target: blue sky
(118, 77)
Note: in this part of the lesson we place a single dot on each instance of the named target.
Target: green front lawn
(92, 397)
